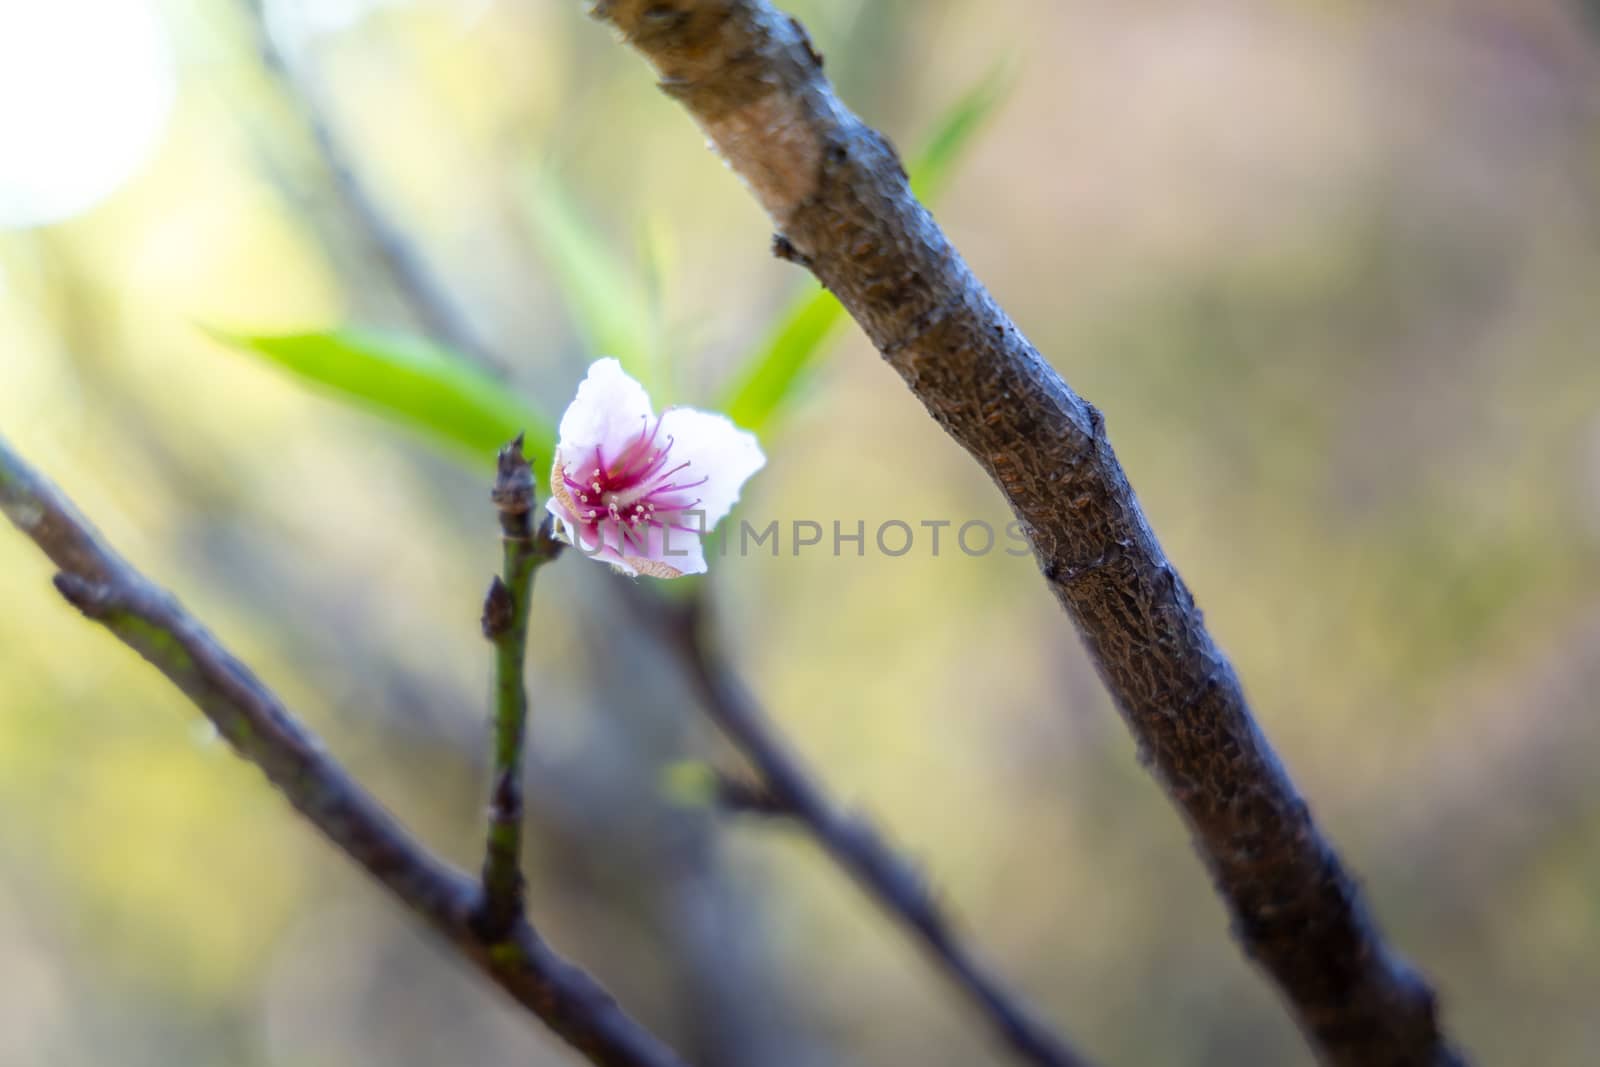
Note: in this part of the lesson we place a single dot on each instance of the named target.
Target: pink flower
(640, 491)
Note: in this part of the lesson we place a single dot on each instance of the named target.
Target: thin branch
(738, 796)
(838, 195)
(440, 315)
(505, 623)
(255, 722)
(787, 786)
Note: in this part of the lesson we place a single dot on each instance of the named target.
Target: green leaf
(770, 376)
(776, 368)
(605, 298)
(934, 165)
(411, 382)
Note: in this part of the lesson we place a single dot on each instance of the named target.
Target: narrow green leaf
(658, 259)
(797, 341)
(934, 165)
(605, 298)
(411, 382)
(774, 372)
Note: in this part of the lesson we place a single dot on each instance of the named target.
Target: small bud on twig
(499, 609)
(513, 484)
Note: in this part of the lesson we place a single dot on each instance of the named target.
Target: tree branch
(429, 299)
(505, 623)
(837, 193)
(788, 787)
(254, 721)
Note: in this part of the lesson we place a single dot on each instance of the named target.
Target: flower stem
(505, 623)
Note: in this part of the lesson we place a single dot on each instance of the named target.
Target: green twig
(505, 623)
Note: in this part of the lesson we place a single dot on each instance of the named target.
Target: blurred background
(1328, 267)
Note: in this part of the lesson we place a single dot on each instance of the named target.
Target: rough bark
(838, 196)
(255, 722)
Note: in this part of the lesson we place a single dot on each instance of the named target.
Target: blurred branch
(254, 721)
(741, 797)
(505, 623)
(837, 193)
(429, 298)
(787, 787)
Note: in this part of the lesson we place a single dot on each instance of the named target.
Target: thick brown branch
(837, 193)
(787, 787)
(151, 622)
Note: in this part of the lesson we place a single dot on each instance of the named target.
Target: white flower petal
(587, 543)
(649, 550)
(608, 413)
(671, 555)
(618, 563)
(699, 457)
(717, 451)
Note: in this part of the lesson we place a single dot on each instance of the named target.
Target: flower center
(639, 488)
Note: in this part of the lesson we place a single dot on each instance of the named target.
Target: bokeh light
(86, 89)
